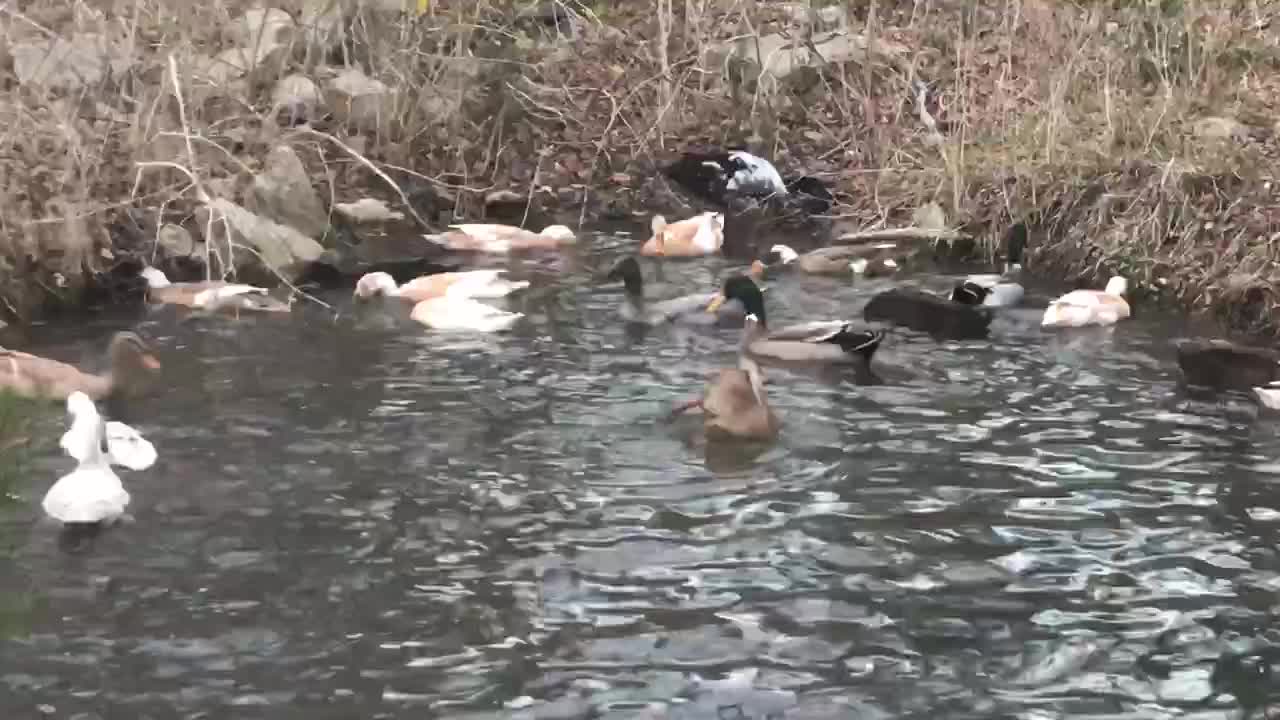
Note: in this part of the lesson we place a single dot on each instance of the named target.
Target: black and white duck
(739, 180)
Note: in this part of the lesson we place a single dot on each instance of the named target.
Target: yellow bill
(716, 302)
(423, 6)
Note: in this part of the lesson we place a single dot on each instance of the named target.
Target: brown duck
(210, 295)
(39, 377)
(734, 404)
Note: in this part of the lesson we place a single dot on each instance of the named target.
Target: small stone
(367, 210)
(503, 196)
(622, 179)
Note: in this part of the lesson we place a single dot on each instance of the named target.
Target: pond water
(357, 518)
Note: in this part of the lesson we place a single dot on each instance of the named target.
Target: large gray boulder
(258, 243)
(282, 192)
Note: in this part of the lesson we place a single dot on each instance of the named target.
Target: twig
(369, 164)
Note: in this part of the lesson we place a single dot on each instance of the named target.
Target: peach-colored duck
(467, 283)
(692, 237)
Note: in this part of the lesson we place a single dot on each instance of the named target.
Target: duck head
(627, 271)
(967, 293)
(744, 290)
(1117, 286)
(374, 284)
(560, 233)
(127, 349)
(155, 278)
(782, 255)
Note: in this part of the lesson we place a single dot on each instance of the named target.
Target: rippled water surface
(357, 518)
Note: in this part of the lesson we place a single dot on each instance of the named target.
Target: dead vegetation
(1138, 137)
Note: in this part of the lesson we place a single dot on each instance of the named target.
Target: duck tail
(862, 343)
(437, 238)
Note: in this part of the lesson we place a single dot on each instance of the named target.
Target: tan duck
(468, 283)
(209, 295)
(866, 260)
(501, 239)
(39, 377)
(1080, 308)
(818, 342)
(734, 404)
(693, 237)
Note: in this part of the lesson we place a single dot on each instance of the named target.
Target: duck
(865, 260)
(500, 239)
(456, 313)
(684, 308)
(209, 295)
(1269, 396)
(466, 283)
(92, 493)
(718, 177)
(1224, 365)
(1080, 308)
(734, 404)
(34, 376)
(820, 341)
(996, 289)
(929, 313)
(699, 235)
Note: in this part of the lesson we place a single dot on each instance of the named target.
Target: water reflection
(352, 517)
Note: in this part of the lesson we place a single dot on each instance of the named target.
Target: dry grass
(1082, 117)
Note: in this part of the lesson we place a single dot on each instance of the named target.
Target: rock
(261, 26)
(361, 101)
(63, 64)
(367, 210)
(1220, 128)
(278, 247)
(234, 63)
(298, 95)
(175, 241)
(930, 216)
(781, 56)
(283, 193)
(831, 17)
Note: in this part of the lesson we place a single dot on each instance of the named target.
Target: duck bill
(715, 303)
(150, 362)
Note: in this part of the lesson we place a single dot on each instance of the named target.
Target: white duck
(754, 175)
(466, 283)
(210, 295)
(450, 312)
(93, 493)
(1001, 290)
(1079, 308)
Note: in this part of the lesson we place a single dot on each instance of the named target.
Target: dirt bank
(1132, 137)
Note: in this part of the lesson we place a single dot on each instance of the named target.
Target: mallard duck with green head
(820, 341)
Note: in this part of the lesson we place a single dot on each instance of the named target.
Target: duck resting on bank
(734, 404)
(499, 239)
(1080, 308)
(209, 295)
(718, 177)
(699, 235)
(39, 377)
(466, 283)
(92, 493)
(820, 341)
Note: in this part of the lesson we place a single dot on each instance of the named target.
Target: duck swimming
(692, 237)
(467, 283)
(820, 341)
(734, 403)
(453, 313)
(92, 493)
(39, 377)
(929, 313)
(684, 309)
(501, 239)
(865, 260)
(1224, 365)
(1080, 308)
(992, 289)
(210, 295)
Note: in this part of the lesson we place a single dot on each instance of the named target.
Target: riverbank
(1139, 140)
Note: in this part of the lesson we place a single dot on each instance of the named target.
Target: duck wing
(684, 307)
(127, 448)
